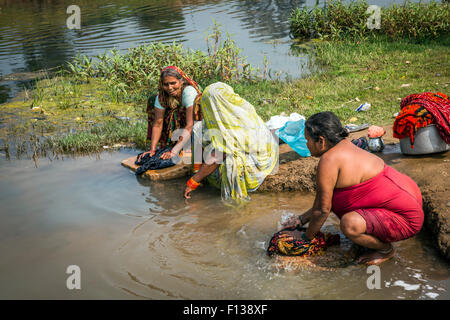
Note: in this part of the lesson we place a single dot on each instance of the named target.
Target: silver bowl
(426, 140)
(376, 144)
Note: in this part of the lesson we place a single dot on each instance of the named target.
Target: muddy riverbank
(429, 171)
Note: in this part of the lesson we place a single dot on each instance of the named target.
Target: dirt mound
(294, 173)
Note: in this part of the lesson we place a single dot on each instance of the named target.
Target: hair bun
(344, 133)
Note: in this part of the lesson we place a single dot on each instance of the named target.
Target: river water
(134, 238)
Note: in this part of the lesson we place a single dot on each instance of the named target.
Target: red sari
(390, 203)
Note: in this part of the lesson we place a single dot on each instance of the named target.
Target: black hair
(327, 125)
(171, 73)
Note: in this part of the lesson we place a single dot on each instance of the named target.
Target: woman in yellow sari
(233, 132)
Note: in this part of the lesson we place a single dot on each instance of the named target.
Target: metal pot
(376, 144)
(426, 140)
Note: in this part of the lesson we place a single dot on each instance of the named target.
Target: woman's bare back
(354, 165)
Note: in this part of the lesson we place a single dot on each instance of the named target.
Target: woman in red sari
(175, 107)
(376, 204)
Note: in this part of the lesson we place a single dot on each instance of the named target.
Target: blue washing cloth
(293, 133)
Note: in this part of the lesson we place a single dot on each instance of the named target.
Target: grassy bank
(78, 112)
(132, 76)
(377, 72)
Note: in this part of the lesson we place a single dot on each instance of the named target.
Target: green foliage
(131, 76)
(351, 73)
(415, 21)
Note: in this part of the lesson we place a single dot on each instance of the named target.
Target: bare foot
(376, 257)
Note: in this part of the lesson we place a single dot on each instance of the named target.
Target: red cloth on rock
(390, 203)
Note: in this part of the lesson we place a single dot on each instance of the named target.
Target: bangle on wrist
(192, 184)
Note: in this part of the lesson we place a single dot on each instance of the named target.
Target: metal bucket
(376, 144)
(426, 140)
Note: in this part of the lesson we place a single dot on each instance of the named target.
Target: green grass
(130, 76)
(378, 72)
(414, 21)
(110, 133)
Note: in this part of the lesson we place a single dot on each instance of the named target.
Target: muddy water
(134, 238)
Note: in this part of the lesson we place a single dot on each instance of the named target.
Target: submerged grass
(96, 138)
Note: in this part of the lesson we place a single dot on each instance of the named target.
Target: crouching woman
(376, 204)
(234, 133)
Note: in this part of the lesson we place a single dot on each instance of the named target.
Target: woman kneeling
(176, 106)
(376, 204)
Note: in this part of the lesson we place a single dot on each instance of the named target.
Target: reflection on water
(40, 39)
(134, 238)
(34, 35)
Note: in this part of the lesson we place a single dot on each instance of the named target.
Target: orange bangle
(192, 184)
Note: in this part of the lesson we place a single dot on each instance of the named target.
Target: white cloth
(276, 122)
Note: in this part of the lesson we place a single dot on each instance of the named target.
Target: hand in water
(151, 152)
(187, 192)
(294, 235)
(291, 222)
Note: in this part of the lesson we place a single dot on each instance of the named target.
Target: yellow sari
(235, 129)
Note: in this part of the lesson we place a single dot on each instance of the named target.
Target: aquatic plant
(415, 21)
(37, 95)
(107, 134)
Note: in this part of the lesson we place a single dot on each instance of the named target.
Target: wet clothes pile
(154, 162)
(301, 247)
(419, 110)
